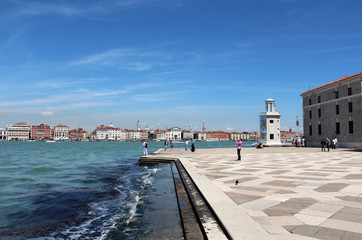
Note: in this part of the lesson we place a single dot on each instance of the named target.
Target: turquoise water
(72, 190)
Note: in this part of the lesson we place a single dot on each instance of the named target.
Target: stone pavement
(282, 193)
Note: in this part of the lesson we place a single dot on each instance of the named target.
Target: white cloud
(229, 129)
(47, 113)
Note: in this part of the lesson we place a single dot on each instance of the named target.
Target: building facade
(19, 132)
(200, 136)
(270, 125)
(187, 135)
(217, 136)
(334, 110)
(242, 135)
(173, 133)
(61, 133)
(3, 134)
(110, 133)
(41, 132)
(77, 134)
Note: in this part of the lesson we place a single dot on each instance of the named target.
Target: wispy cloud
(130, 59)
(47, 113)
(66, 8)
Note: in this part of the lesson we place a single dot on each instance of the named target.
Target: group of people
(299, 142)
(145, 146)
(186, 145)
(327, 143)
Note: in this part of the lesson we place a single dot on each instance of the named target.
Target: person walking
(192, 147)
(335, 142)
(186, 145)
(323, 143)
(144, 144)
(239, 144)
(171, 144)
(328, 142)
(165, 144)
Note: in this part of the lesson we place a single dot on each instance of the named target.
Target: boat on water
(50, 141)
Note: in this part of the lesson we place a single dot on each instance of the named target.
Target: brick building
(41, 132)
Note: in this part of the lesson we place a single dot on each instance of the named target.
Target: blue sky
(170, 62)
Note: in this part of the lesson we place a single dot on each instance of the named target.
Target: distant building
(204, 126)
(110, 133)
(217, 136)
(3, 134)
(270, 125)
(61, 133)
(254, 136)
(143, 134)
(41, 132)
(173, 133)
(157, 135)
(77, 134)
(19, 132)
(242, 135)
(334, 110)
(132, 135)
(187, 135)
(200, 136)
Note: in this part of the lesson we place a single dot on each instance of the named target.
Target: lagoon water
(73, 190)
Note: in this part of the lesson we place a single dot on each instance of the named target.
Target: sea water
(73, 190)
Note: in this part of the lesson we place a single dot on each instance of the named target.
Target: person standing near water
(186, 145)
(171, 144)
(165, 144)
(144, 144)
(239, 144)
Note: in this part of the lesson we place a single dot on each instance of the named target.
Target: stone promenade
(282, 193)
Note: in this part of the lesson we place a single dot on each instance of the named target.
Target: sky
(170, 62)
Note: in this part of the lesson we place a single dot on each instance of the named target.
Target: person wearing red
(239, 144)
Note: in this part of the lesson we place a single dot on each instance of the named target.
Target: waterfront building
(187, 135)
(334, 110)
(242, 135)
(109, 133)
(41, 132)
(173, 133)
(133, 135)
(157, 135)
(200, 136)
(77, 134)
(217, 136)
(254, 136)
(270, 125)
(3, 134)
(61, 133)
(19, 132)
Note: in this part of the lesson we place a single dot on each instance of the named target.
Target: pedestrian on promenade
(171, 144)
(192, 147)
(335, 142)
(186, 145)
(145, 146)
(166, 144)
(323, 143)
(328, 143)
(239, 144)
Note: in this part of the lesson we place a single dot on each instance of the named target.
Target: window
(310, 130)
(271, 121)
(271, 136)
(336, 94)
(319, 129)
(349, 91)
(319, 112)
(338, 128)
(337, 109)
(310, 114)
(350, 107)
(319, 99)
(350, 126)
(310, 101)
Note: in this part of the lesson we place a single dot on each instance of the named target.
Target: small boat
(50, 141)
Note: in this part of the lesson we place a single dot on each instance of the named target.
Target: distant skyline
(170, 62)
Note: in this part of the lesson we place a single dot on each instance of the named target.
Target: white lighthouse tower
(270, 125)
